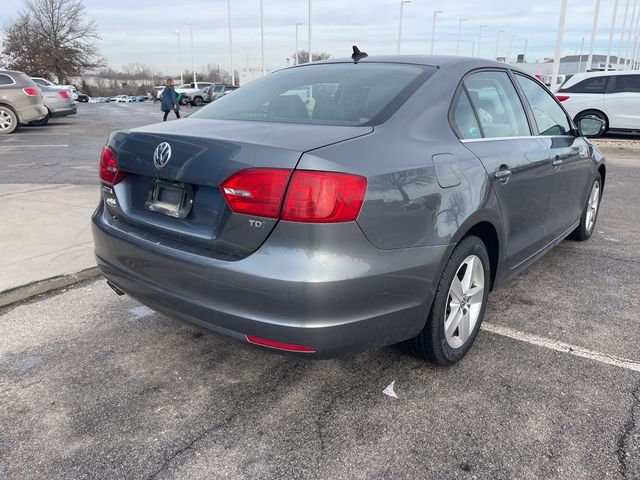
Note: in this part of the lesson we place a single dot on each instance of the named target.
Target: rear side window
(5, 79)
(463, 118)
(499, 108)
(628, 83)
(549, 116)
(590, 85)
(323, 94)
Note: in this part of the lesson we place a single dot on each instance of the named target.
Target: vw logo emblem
(162, 155)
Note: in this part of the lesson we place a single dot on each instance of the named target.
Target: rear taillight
(311, 196)
(323, 197)
(289, 347)
(257, 191)
(64, 94)
(32, 92)
(562, 98)
(109, 169)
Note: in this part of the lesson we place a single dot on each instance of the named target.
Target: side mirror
(591, 126)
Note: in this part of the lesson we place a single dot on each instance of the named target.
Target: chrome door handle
(503, 175)
(557, 163)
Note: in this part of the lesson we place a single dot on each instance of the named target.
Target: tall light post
(513, 37)
(193, 53)
(433, 28)
(480, 38)
(596, 14)
(177, 34)
(624, 25)
(295, 60)
(613, 26)
(500, 32)
(556, 59)
(233, 77)
(402, 2)
(310, 10)
(632, 28)
(262, 39)
(524, 54)
(460, 34)
(580, 61)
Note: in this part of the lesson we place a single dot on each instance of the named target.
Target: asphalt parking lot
(96, 386)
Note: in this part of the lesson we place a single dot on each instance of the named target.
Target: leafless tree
(53, 38)
(303, 56)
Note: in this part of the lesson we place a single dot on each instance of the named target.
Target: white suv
(613, 97)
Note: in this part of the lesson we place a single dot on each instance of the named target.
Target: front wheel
(198, 101)
(8, 120)
(590, 212)
(458, 305)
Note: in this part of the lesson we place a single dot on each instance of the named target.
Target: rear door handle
(503, 175)
(557, 163)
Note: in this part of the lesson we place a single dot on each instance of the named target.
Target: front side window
(463, 118)
(324, 94)
(549, 116)
(500, 111)
(628, 83)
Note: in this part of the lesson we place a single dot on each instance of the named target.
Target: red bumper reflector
(279, 345)
(562, 98)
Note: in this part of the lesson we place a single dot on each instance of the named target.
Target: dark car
(82, 97)
(214, 92)
(337, 206)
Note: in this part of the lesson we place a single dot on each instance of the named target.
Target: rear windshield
(323, 94)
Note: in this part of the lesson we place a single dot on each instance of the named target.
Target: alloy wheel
(592, 206)
(464, 301)
(6, 122)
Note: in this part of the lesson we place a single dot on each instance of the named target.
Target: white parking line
(562, 347)
(31, 146)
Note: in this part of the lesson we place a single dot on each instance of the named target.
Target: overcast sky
(141, 31)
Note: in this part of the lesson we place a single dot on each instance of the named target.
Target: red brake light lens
(30, 91)
(64, 94)
(109, 169)
(279, 345)
(562, 98)
(257, 191)
(324, 197)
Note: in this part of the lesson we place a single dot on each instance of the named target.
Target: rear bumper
(63, 111)
(322, 286)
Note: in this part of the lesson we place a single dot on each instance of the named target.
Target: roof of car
(9, 71)
(438, 61)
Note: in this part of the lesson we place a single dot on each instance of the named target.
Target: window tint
(323, 94)
(500, 111)
(463, 118)
(628, 83)
(549, 116)
(5, 80)
(590, 85)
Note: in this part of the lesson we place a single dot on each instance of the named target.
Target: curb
(24, 292)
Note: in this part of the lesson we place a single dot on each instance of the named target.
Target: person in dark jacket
(169, 100)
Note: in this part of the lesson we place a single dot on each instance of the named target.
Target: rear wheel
(594, 113)
(458, 306)
(198, 101)
(590, 212)
(8, 120)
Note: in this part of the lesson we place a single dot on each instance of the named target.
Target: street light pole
(262, 39)
(624, 25)
(295, 60)
(513, 37)
(310, 55)
(433, 28)
(402, 2)
(177, 33)
(460, 34)
(498, 43)
(193, 54)
(581, 50)
(632, 28)
(233, 77)
(596, 14)
(480, 38)
(556, 59)
(613, 26)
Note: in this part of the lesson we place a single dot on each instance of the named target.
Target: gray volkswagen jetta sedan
(347, 204)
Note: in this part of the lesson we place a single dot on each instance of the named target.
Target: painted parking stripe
(561, 347)
(31, 146)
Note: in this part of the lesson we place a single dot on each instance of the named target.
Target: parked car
(192, 92)
(82, 97)
(613, 97)
(213, 92)
(48, 83)
(59, 103)
(383, 210)
(20, 101)
(121, 99)
(139, 98)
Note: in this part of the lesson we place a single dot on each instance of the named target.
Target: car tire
(594, 113)
(197, 102)
(183, 101)
(42, 121)
(8, 120)
(590, 212)
(438, 342)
